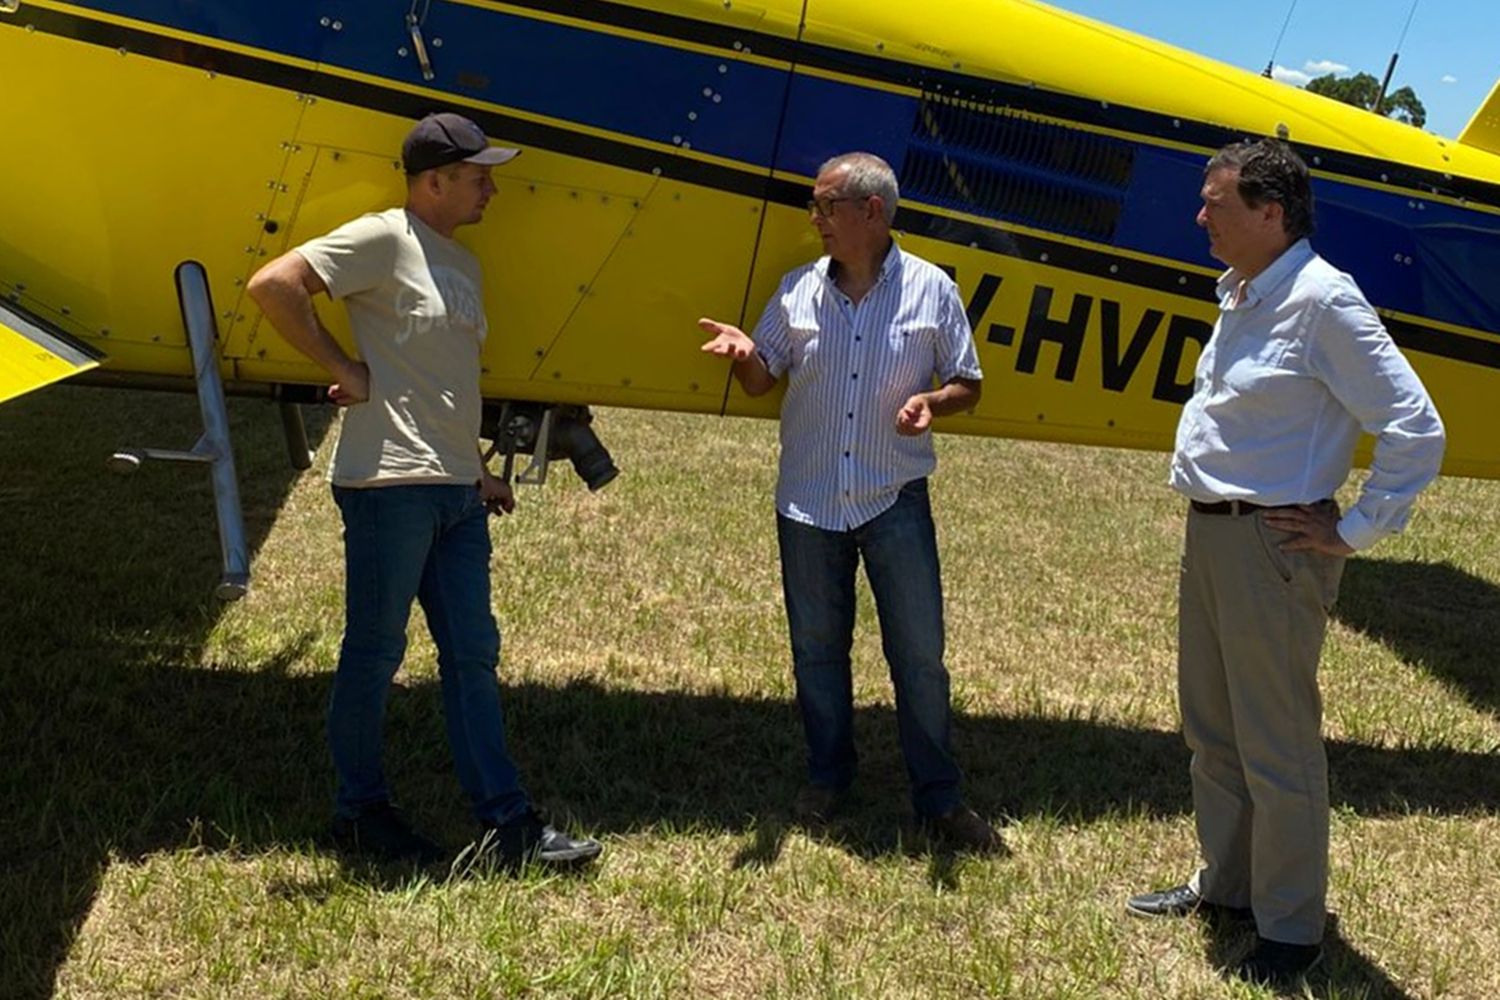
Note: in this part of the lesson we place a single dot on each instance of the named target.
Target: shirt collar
(1267, 281)
(888, 268)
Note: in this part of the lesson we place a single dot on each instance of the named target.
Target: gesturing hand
(729, 341)
(915, 417)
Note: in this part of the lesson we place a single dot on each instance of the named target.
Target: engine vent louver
(1014, 167)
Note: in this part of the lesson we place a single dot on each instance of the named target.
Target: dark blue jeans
(431, 543)
(899, 549)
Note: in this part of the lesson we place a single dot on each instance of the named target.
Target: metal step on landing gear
(213, 448)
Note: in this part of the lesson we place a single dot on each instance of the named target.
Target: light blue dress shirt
(1292, 373)
(850, 368)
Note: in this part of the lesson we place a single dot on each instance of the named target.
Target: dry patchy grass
(166, 783)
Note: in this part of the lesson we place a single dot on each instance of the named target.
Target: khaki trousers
(1251, 621)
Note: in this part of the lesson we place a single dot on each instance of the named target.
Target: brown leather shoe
(817, 804)
(963, 829)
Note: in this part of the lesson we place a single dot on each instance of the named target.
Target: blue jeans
(899, 549)
(431, 543)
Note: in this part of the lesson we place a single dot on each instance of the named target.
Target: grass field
(165, 782)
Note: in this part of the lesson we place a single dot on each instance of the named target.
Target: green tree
(1362, 89)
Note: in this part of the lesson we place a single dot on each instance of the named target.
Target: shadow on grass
(134, 760)
(105, 599)
(117, 743)
(1435, 616)
(627, 759)
(1344, 973)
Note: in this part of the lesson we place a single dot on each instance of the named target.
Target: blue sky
(1451, 56)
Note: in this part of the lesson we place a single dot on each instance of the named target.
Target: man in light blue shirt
(1298, 365)
(862, 334)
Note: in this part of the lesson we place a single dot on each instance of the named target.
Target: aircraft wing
(34, 353)
(1483, 130)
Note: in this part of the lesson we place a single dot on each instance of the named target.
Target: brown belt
(1234, 508)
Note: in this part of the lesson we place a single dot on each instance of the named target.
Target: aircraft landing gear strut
(213, 448)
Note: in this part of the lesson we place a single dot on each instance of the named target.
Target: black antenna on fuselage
(1271, 63)
(1385, 84)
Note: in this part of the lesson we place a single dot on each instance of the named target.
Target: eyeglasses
(824, 206)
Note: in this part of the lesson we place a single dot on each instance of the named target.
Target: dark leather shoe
(381, 832)
(963, 829)
(529, 837)
(1279, 965)
(817, 804)
(1181, 901)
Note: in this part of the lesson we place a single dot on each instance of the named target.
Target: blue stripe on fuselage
(1417, 256)
(646, 90)
(288, 27)
(663, 93)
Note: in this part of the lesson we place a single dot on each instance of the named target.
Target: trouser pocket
(1270, 544)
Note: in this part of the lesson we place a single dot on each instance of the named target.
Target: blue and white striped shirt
(850, 368)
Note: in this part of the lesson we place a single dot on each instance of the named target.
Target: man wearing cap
(1298, 365)
(411, 487)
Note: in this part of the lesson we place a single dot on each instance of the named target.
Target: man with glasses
(862, 334)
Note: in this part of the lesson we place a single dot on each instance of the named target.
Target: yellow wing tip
(1483, 130)
(33, 354)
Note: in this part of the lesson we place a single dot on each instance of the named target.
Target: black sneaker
(380, 831)
(1279, 965)
(529, 837)
(1182, 901)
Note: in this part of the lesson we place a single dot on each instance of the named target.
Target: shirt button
(858, 339)
(855, 375)
(851, 416)
(846, 454)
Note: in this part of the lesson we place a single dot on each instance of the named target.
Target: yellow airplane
(1050, 162)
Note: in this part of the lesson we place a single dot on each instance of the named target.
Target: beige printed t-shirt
(414, 301)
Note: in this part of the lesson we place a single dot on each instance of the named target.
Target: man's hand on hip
(1314, 528)
(353, 386)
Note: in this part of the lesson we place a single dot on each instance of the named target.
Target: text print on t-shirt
(461, 307)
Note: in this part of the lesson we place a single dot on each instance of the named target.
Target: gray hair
(866, 174)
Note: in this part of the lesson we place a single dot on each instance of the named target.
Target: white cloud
(1322, 67)
(1449, 78)
(1295, 77)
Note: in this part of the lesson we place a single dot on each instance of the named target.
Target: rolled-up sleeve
(771, 334)
(1350, 350)
(956, 354)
